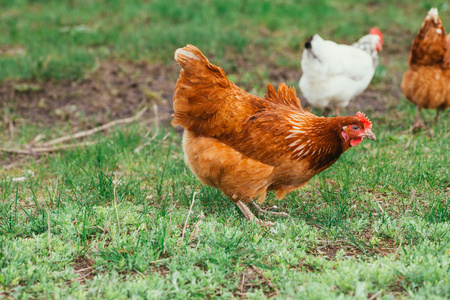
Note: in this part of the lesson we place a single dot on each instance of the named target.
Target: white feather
(433, 13)
(299, 147)
(334, 73)
(185, 53)
(294, 143)
(291, 136)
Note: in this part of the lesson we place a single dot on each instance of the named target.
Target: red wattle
(355, 142)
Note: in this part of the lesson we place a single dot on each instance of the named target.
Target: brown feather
(429, 46)
(446, 64)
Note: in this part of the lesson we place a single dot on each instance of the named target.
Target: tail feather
(429, 46)
(308, 44)
(187, 56)
(286, 96)
(197, 89)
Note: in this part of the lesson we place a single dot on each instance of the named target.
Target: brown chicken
(245, 145)
(427, 82)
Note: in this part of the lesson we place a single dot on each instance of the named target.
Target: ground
(114, 90)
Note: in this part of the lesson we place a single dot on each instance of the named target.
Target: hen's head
(377, 32)
(356, 129)
(371, 42)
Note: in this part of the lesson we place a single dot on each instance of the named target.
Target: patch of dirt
(162, 270)
(84, 267)
(397, 286)
(330, 249)
(114, 90)
(252, 278)
(5, 295)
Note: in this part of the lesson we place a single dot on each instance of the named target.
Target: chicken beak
(369, 134)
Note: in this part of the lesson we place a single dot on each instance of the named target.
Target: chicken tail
(196, 92)
(286, 96)
(308, 44)
(189, 57)
(429, 46)
(315, 48)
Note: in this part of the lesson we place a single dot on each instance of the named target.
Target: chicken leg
(337, 112)
(436, 121)
(327, 110)
(418, 124)
(250, 216)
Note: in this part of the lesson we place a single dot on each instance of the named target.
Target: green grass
(108, 222)
(124, 212)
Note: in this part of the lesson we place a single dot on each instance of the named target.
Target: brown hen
(427, 81)
(245, 145)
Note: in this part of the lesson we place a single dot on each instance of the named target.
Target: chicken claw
(418, 125)
(264, 223)
(273, 213)
(250, 216)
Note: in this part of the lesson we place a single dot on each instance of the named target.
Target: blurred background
(80, 63)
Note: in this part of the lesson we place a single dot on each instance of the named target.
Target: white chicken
(334, 73)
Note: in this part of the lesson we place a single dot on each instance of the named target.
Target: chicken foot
(418, 124)
(250, 216)
(436, 121)
(273, 213)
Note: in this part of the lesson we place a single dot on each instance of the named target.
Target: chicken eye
(355, 127)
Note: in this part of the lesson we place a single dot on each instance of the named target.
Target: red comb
(363, 119)
(377, 31)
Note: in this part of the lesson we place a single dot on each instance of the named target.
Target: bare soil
(252, 278)
(114, 90)
(84, 267)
